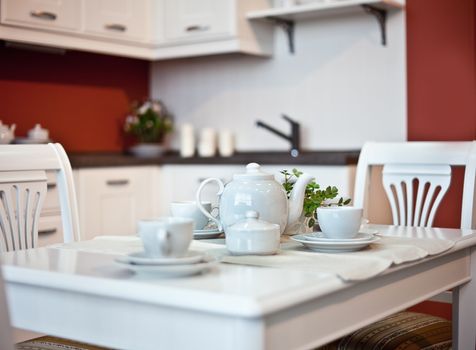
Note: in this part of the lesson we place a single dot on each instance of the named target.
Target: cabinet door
(50, 230)
(180, 182)
(112, 200)
(119, 19)
(197, 20)
(47, 14)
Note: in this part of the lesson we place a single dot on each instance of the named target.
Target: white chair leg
(464, 319)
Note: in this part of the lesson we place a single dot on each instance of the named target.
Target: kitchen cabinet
(50, 228)
(180, 182)
(198, 20)
(117, 19)
(112, 200)
(56, 15)
(148, 29)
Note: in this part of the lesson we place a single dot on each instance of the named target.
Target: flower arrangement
(314, 197)
(149, 121)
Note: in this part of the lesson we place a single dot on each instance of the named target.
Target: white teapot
(258, 191)
(7, 133)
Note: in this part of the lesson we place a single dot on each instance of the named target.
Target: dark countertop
(93, 160)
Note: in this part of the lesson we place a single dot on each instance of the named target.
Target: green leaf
(314, 197)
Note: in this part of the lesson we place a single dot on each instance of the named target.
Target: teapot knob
(253, 168)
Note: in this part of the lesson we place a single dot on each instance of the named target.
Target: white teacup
(166, 236)
(189, 209)
(339, 222)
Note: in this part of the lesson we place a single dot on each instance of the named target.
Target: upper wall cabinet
(194, 21)
(149, 29)
(63, 15)
(118, 19)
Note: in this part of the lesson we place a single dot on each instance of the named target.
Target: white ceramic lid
(252, 223)
(253, 172)
(38, 133)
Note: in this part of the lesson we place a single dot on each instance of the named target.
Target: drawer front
(118, 19)
(51, 203)
(50, 230)
(112, 200)
(198, 20)
(48, 14)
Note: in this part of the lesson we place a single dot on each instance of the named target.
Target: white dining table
(88, 297)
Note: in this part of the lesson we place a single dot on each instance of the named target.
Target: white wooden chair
(416, 176)
(23, 185)
(23, 190)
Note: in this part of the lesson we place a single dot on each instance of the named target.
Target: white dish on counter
(331, 246)
(140, 258)
(171, 270)
(30, 141)
(318, 236)
(207, 234)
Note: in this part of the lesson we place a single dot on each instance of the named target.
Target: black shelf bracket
(288, 27)
(381, 17)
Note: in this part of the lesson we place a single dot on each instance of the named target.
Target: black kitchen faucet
(294, 138)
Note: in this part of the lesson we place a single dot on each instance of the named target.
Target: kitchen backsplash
(342, 85)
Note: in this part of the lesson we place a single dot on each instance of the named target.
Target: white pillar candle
(226, 143)
(187, 141)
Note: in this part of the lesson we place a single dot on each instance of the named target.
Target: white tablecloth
(352, 266)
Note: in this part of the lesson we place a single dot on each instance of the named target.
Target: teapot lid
(253, 172)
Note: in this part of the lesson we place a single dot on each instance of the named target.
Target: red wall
(441, 91)
(441, 82)
(81, 98)
(441, 70)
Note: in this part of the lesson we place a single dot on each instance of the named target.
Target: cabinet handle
(120, 182)
(49, 16)
(197, 28)
(47, 231)
(50, 186)
(116, 27)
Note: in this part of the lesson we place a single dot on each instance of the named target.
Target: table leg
(464, 311)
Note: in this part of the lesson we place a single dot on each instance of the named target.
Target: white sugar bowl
(38, 133)
(252, 236)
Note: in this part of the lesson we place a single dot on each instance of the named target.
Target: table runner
(354, 266)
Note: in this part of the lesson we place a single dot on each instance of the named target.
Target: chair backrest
(23, 189)
(416, 176)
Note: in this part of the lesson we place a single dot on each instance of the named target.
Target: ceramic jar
(38, 133)
(252, 236)
(7, 133)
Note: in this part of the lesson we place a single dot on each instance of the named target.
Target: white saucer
(327, 246)
(27, 140)
(209, 233)
(171, 270)
(318, 236)
(139, 258)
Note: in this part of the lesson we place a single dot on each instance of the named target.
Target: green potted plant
(314, 197)
(149, 123)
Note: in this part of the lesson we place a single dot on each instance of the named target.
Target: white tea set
(166, 251)
(35, 135)
(254, 211)
(341, 231)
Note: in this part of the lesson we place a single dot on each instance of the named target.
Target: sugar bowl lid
(38, 132)
(252, 223)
